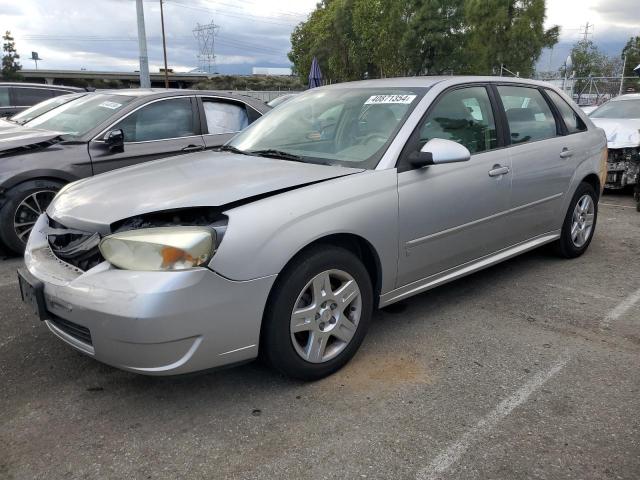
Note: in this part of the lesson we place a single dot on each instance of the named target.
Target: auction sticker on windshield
(376, 99)
(111, 105)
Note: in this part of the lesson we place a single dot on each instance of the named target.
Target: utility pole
(145, 81)
(624, 65)
(164, 48)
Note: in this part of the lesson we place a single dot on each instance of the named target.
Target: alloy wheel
(325, 316)
(582, 221)
(29, 210)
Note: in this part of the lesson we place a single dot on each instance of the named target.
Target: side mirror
(114, 139)
(439, 150)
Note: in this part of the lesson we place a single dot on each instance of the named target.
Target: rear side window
(463, 115)
(4, 97)
(161, 120)
(528, 114)
(25, 97)
(224, 117)
(571, 119)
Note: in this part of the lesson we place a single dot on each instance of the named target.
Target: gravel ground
(529, 369)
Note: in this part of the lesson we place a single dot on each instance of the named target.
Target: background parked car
(102, 131)
(16, 97)
(37, 110)
(620, 119)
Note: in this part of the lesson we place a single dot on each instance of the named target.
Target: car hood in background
(12, 138)
(205, 179)
(621, 133)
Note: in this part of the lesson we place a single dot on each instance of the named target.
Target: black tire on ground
(14, 197)
(564, 246)
(276, 346)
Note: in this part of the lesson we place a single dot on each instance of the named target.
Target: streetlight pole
(164, 48)
(145, 81)
(624, 65)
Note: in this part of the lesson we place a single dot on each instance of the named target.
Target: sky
(102, 34)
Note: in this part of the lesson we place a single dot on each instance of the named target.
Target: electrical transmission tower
(205, 34)
(587, 31)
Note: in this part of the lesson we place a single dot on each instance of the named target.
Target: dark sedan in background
(16, 97)
(102, 131)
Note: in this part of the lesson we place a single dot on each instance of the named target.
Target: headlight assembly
(162, 248)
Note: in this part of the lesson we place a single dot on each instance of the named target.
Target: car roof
(41, 85)
(429, 81)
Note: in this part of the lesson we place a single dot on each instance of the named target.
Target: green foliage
(632, 52)
(255, 82)
(356, 38)
(10, 65)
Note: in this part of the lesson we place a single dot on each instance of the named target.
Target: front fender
(263, 236)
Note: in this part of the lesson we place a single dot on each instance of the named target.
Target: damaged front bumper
(623, 168)
(155, 323)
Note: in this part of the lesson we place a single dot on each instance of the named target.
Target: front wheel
(318, 313)
(24, 204)
(579, 223)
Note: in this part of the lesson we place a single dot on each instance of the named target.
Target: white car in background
(620, 119)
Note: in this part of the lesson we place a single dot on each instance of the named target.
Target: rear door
(542, 159)
(222, 118)
(451, 214)
(160, 128)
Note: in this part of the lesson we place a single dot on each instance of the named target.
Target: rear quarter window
(572, 120)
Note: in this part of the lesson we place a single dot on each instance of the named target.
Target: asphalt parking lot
(530, 369)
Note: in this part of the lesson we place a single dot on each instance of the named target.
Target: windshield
(43, 107)
(618, 109)
(79, 116)
(336, 126)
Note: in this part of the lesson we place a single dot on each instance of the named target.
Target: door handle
(193, 148)
(498, 170)
(565, 153)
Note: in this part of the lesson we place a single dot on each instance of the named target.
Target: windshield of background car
(43, 107)
(78, 116)
(618, 109)
(337, 126)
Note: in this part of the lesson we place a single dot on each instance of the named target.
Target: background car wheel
(579, 223)
(24, 204)
(318, 313)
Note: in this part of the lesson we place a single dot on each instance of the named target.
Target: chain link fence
(594, 91)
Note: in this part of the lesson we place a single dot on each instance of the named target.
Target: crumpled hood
(621, 133)
(195, 180)
(11, 138)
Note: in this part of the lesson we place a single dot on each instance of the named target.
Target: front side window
(464, 116)
(528, 114)
(161, 120)
(337, 126)
(5, 101)
(30, 96)
(224, 117)
(79, 116)
(571, 119)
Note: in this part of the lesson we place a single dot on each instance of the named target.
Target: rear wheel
(318, 313)
(25, 203)
(579, 223)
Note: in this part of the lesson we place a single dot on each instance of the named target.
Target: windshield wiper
(232, 149)
(274, 153)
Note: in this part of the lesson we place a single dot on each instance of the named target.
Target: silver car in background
(344, 199)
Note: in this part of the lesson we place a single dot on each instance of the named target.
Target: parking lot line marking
(581, 292)
(615, 205)
(620, 309)
(454, 452)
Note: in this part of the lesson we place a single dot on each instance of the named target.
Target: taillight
(603, 168)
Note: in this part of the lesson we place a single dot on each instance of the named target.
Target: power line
(266, 20)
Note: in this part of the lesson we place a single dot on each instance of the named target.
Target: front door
(451, 214)
(159, 129)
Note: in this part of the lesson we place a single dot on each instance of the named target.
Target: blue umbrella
(315, 75)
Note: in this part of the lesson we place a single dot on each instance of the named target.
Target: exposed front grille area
(75, 247)
(73, 329)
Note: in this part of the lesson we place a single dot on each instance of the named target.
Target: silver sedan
(344, 199)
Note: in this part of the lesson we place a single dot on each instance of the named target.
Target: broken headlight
(162, 248)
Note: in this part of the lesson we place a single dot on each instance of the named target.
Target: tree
(435, 37)
(10, 66)
(507, 33)
(632, 51)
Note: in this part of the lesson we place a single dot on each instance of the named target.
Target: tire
(343, 326)
(36, 195)
(568, 245)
